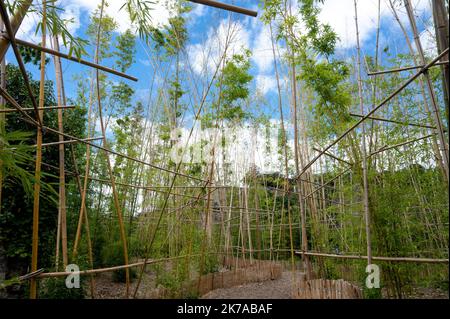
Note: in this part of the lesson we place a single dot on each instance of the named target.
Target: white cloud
(265, 83)
(74, 9)
(262, 49)
(205, 56)
(145, 62)
(198, 10)
(340, 15)
(428, 40)
(28, 28)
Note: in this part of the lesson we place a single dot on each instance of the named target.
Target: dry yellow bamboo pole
(88, 236)
(247, 223)
(280, 109)
(85, 181)
(227, 7)
(390, 259)
(74, 59)
(363, 146)
(302, 212)
(304, 235)
(208, 225)
(86, 223)
(83, 210)
(62, 179)
(114, 268)
(37, 183)
(47, 108)
(108, 161)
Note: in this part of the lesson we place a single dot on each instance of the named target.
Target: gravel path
(272, 289)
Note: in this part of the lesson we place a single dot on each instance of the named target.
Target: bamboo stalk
(86, 223)
(422, 85)
(108, 269)
(207, 232)
(363, 138)
(62, 215)
(395, 122)
(435, 112)
(70, 142)
(334, 157)
(108, 160)
(286, 187)
(304, 236)
(70, 58)
(406, 68)
(441, 25)
(83, 199)
(83, 208)
(226, 7)
(393, 259)
(37, 183)
(80, 189)
(47, 108)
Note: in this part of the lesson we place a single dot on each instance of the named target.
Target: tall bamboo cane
(37, 183)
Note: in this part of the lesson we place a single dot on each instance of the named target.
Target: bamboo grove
(359, 142)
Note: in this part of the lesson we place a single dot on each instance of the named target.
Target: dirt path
(282, 289)
(272, 289)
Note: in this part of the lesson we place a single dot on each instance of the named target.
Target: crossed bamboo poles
(10, 39)
(12, 27)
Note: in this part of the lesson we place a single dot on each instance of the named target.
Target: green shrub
(113, 256)
(211, 264)
(55, 288)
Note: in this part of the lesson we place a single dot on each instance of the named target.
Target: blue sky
(206, 27)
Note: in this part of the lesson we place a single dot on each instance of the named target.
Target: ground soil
(272, 289)
(106, 288)
(282, 288)
(425, 293)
